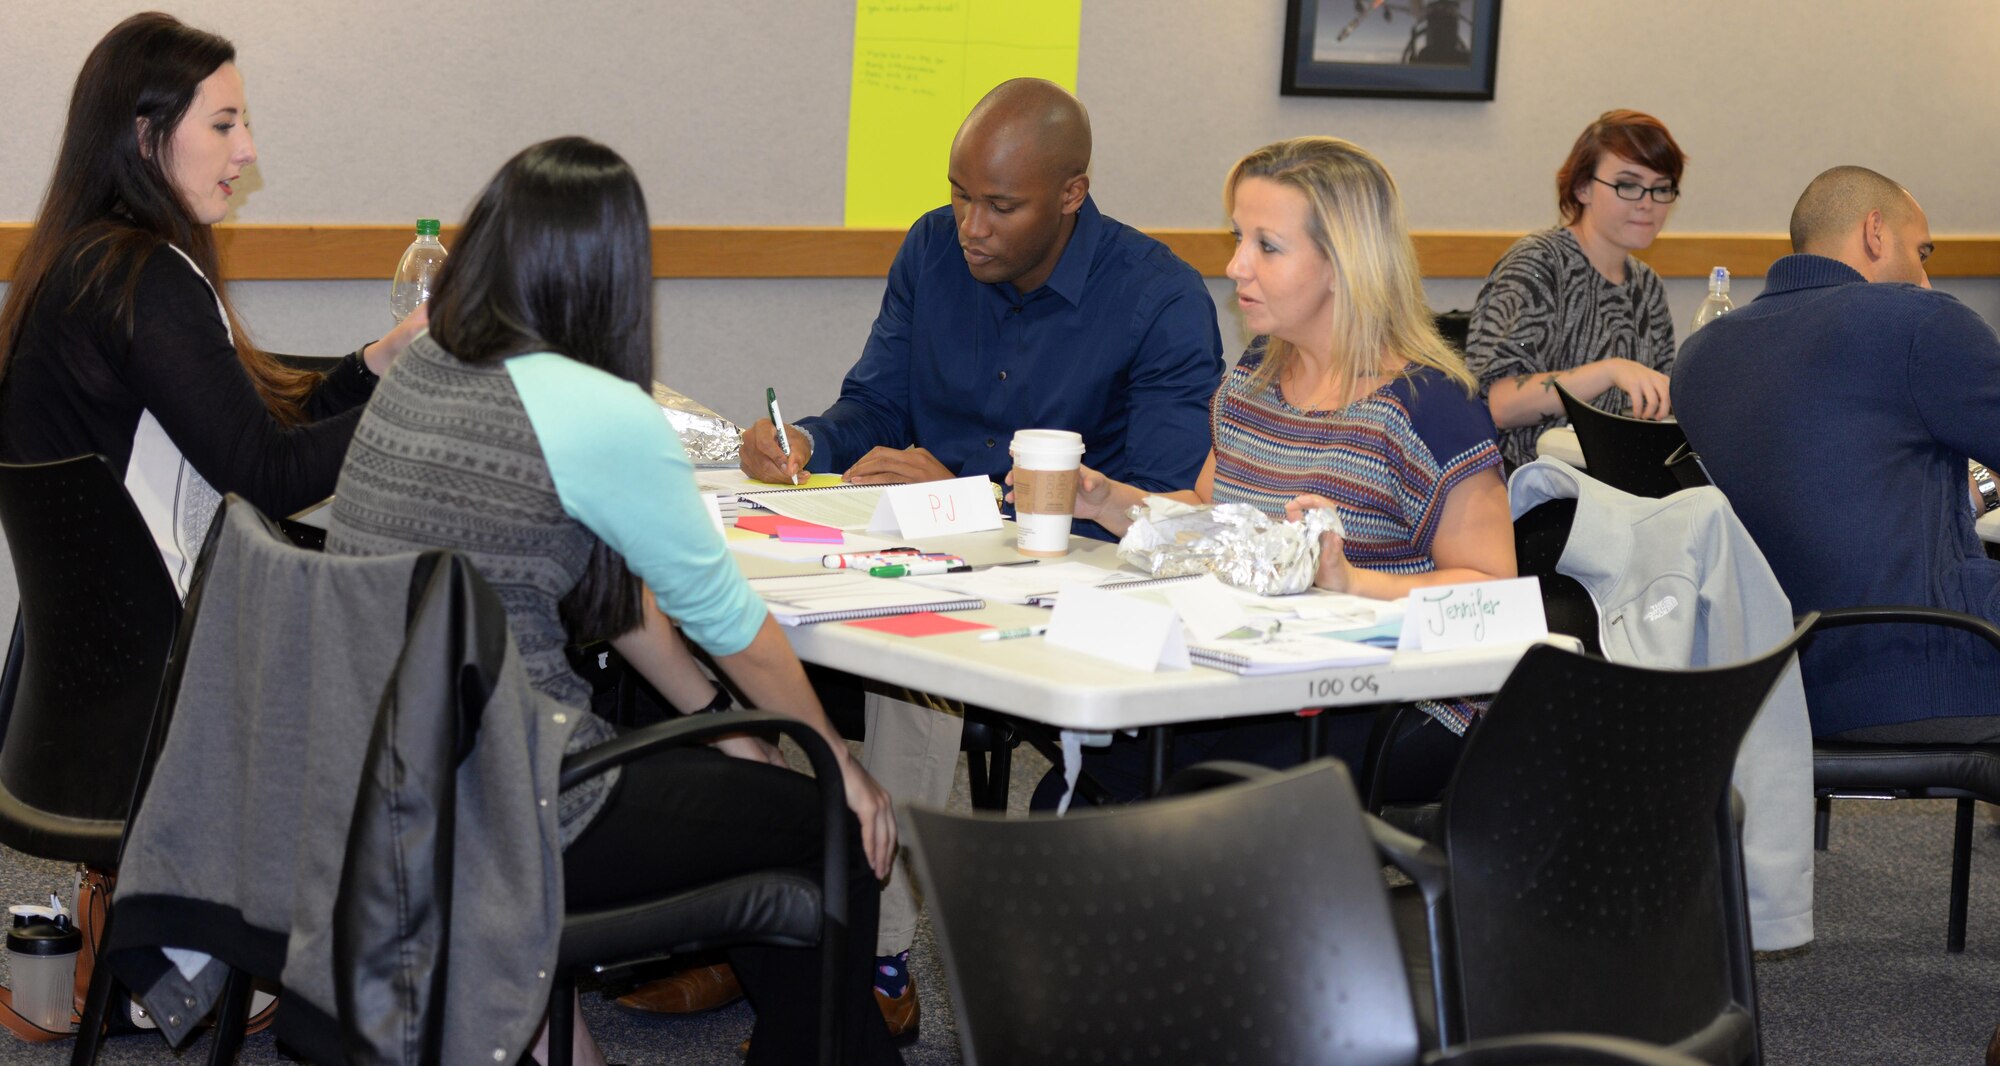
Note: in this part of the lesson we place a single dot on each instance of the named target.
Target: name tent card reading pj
(1475, 614)
(935, 508)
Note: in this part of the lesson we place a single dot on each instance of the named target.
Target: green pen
(924, 566)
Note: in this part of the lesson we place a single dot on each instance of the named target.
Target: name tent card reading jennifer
(1470, 615)
(1130, 632)
(935, 508)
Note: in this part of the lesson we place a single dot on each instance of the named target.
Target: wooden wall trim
(345, 252)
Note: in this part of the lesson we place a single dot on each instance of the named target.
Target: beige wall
(368, 111)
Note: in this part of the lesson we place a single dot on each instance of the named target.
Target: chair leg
(96, 1004)
(232, 1014)
(562, 1020)
(1822, 821)
(1961, 876)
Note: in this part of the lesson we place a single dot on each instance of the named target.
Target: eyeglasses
(1632, 190)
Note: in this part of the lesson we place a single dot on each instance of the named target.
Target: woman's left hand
(382, 354)
(752, 749)
(1335, 573)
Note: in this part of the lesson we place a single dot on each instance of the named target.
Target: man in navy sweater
(1838, 411)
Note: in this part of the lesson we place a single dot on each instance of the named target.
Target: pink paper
(921, 624)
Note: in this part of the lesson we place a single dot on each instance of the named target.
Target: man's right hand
(763, 459)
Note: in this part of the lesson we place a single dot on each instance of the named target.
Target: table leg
(1315, 734)
(1159, 757)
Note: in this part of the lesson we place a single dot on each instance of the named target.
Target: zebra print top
(1544, 307)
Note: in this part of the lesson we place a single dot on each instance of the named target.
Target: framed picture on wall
(1422, 49)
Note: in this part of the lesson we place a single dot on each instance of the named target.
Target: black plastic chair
(1244, 923)
(1539, 539)
(770, 907)
(1961, 772)
(1625, 453)
(97, 622)
(1590, 828)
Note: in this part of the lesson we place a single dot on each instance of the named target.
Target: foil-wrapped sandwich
(1234, 541)
(708, 437)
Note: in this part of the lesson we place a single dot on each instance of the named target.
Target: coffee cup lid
(45, 938)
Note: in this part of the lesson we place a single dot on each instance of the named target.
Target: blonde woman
(1348, 398)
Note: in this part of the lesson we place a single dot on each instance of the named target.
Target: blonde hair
(1356, 221)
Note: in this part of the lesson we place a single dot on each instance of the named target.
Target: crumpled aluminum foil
(1236, 542)
(708, 437)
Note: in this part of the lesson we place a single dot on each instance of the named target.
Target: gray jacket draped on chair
(1678, 583)
(356, 789)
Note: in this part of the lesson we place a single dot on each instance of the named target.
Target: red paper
(921, 624)
(777, 525)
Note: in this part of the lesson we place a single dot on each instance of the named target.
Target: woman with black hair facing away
(1570, 305)
(517, 432)
(117, 337)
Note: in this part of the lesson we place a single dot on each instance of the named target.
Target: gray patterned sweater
(1544, 307)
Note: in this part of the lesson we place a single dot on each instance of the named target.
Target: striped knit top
(1387, 461)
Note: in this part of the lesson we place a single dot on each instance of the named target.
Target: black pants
(691, 816)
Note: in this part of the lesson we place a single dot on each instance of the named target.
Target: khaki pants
(912, 751)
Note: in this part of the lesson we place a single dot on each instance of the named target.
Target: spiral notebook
(844, 595)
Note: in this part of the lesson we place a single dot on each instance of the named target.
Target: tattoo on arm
(1548, 381)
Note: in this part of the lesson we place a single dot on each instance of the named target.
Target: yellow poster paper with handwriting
(919, 66)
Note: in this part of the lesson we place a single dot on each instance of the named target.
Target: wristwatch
(1989, 493)
(719, 704)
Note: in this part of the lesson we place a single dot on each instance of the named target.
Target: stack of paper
(1281, 650)
(844, 595)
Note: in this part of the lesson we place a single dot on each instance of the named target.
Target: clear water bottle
(1718, 303)
(418, 271)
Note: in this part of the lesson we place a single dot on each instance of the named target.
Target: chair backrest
(1454, 326)
(97, 623)
(1594, 880)
(1625, 453)
(1686, 467)
(1539, 539)
(1249, 920)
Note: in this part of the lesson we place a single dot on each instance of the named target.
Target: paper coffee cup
(1045, 472)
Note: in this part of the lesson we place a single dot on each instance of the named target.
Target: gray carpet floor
(1876, 987)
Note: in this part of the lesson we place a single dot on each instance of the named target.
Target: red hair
(1632, 135)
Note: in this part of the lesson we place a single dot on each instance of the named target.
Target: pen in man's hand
(778, 423)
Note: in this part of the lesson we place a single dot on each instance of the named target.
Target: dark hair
(110, 192)
(1632, 135)
(557, 256)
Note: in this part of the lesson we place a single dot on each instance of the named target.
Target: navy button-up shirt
(1120, 345)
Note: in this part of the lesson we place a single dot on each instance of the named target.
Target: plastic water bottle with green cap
(418, 271)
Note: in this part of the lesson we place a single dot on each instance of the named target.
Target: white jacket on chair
(1679, 583)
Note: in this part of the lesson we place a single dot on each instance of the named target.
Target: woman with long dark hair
(517, 432)
(117, 337)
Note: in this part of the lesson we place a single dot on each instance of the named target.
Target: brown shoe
(690, 991)
(901, 1011)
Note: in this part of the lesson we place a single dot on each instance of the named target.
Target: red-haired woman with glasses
(1570, 304)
